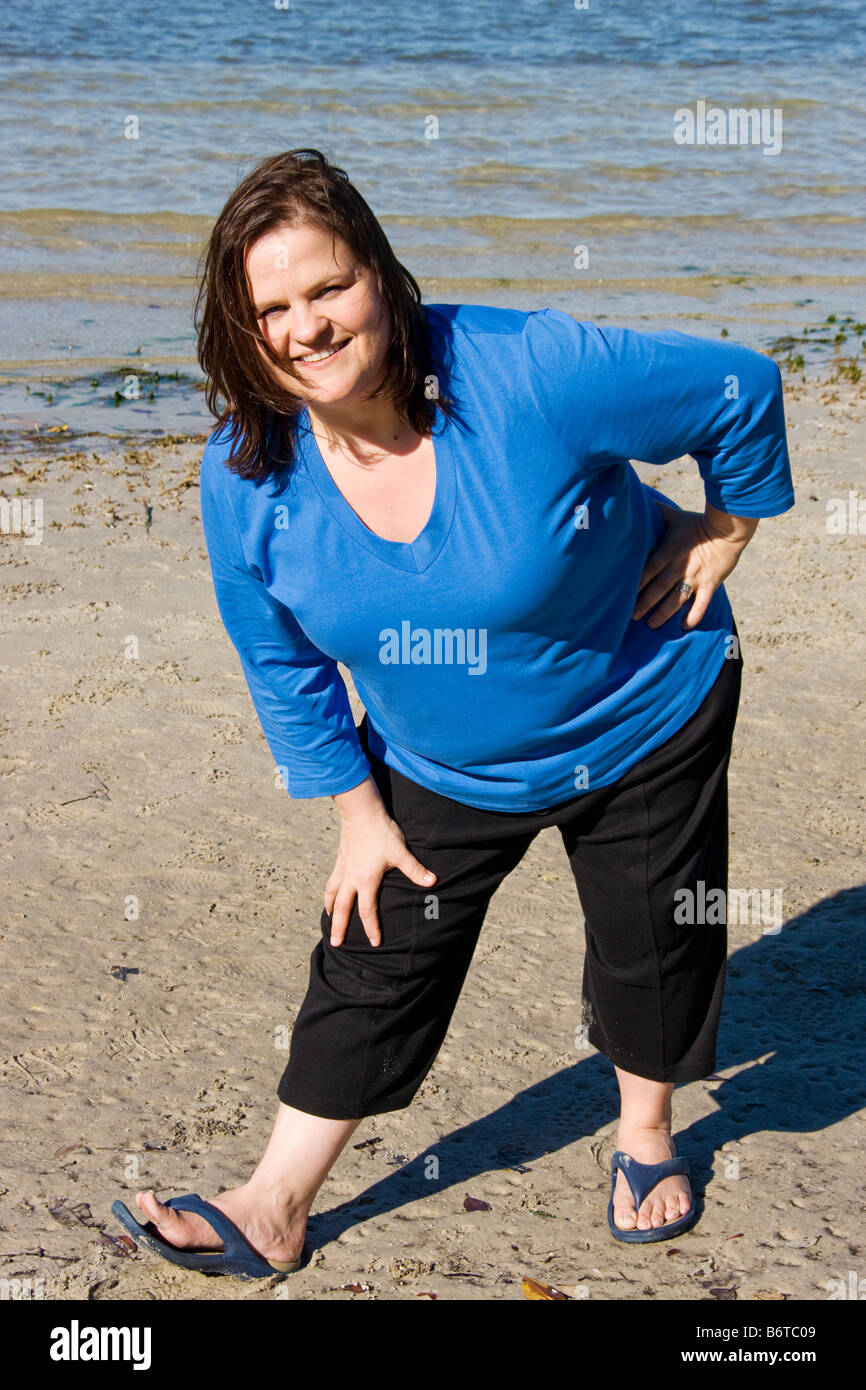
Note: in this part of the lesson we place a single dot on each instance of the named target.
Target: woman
(441, 498)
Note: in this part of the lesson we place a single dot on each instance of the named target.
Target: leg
(373, 1018)
(641, 852)
(645, 1133)
(272, 1207)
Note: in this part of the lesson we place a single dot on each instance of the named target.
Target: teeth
(320, 356)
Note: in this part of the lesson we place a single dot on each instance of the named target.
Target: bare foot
(273, 1230)
(668, 1200)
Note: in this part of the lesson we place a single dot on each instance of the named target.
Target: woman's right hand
(370, 844)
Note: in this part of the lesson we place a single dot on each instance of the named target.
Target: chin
(337, 391)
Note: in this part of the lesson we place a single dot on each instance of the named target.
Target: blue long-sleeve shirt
(495, 654)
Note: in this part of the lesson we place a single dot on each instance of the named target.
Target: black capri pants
(374, 1018)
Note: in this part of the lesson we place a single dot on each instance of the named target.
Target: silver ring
(684, 589)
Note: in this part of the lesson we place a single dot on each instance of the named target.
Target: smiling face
(311, 297)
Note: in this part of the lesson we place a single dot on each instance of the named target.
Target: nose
(307, 326)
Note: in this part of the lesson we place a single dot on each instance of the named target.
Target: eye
(281, 308)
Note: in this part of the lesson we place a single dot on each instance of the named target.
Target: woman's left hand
(697, 550)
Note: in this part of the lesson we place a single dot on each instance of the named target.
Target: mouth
(321, 359)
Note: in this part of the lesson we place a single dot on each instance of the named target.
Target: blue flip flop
(642, 1178)
(238, 1258)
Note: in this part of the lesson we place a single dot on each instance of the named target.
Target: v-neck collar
(414, 556)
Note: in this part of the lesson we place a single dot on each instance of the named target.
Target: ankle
(644, 1126)
(278, 1201)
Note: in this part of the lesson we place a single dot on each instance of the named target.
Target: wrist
(738, 530)
(361, 802)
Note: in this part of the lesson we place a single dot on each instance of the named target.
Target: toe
(644, 1219)
(677, 1204)
(685, 1200)
(153, 1208)
(168, 1222)
(624, 1214)
(178, 1228)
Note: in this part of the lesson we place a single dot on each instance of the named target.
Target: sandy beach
(164, 894)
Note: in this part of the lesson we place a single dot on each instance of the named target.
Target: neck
(359, 427)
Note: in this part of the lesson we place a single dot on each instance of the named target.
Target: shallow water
(555, 131)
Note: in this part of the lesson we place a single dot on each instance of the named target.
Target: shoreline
(168, 402)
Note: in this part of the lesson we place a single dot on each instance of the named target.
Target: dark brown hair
(298, 187)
